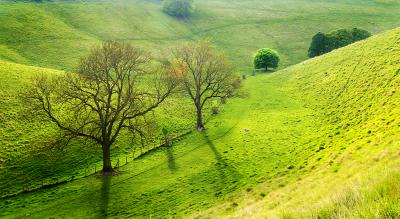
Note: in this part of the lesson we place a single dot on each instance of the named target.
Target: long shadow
(227, 174)
(169, 153)
(263, 71)
(105, 196)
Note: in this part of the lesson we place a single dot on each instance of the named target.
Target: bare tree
(207, 74)
(114, 89)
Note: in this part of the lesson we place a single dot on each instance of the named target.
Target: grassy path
(251, 141)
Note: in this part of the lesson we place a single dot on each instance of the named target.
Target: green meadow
(318, 138)
(58, 33)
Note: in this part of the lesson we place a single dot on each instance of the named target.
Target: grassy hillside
(56, 34)
(301, 140)
(354, 164)
(25, 160)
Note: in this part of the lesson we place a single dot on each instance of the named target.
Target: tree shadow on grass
(169, 153)
(228, 176)
(263, 71)
(105, 196)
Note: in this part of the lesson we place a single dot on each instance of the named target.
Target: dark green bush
(319, 45)
(178, 8)
(323, 43)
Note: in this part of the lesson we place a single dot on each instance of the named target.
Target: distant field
(57, 34)
(301, 140)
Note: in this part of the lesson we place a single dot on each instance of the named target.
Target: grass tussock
(379, 199)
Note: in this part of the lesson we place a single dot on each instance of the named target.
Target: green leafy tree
(324, 43)
(319, 45)
(340, 38)
(360, 34)
(206, 74)
(178, 8)
(266, 58)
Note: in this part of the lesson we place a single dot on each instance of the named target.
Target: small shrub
(178, 8)
(223, 100)
(215, 110)
(237, 83)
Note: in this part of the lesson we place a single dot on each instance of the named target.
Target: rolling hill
(318, 139)
(56, 34)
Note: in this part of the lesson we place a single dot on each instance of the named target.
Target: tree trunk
(200, 125)
(266, 68)
(107, 168)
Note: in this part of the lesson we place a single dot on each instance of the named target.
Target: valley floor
(253, 140)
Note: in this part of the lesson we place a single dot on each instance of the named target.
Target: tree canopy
(323, 43)
(110, 93)
(319, 45)
(206, 74)
(266, 58)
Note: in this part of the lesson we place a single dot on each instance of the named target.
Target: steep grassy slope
(56, 34)
(304, 135)
(354, 167)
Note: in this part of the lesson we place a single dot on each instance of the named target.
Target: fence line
(88, 171)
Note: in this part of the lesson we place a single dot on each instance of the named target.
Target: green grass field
(319, 139)
(57, 34)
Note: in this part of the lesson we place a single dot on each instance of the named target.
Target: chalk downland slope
(354, 93)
